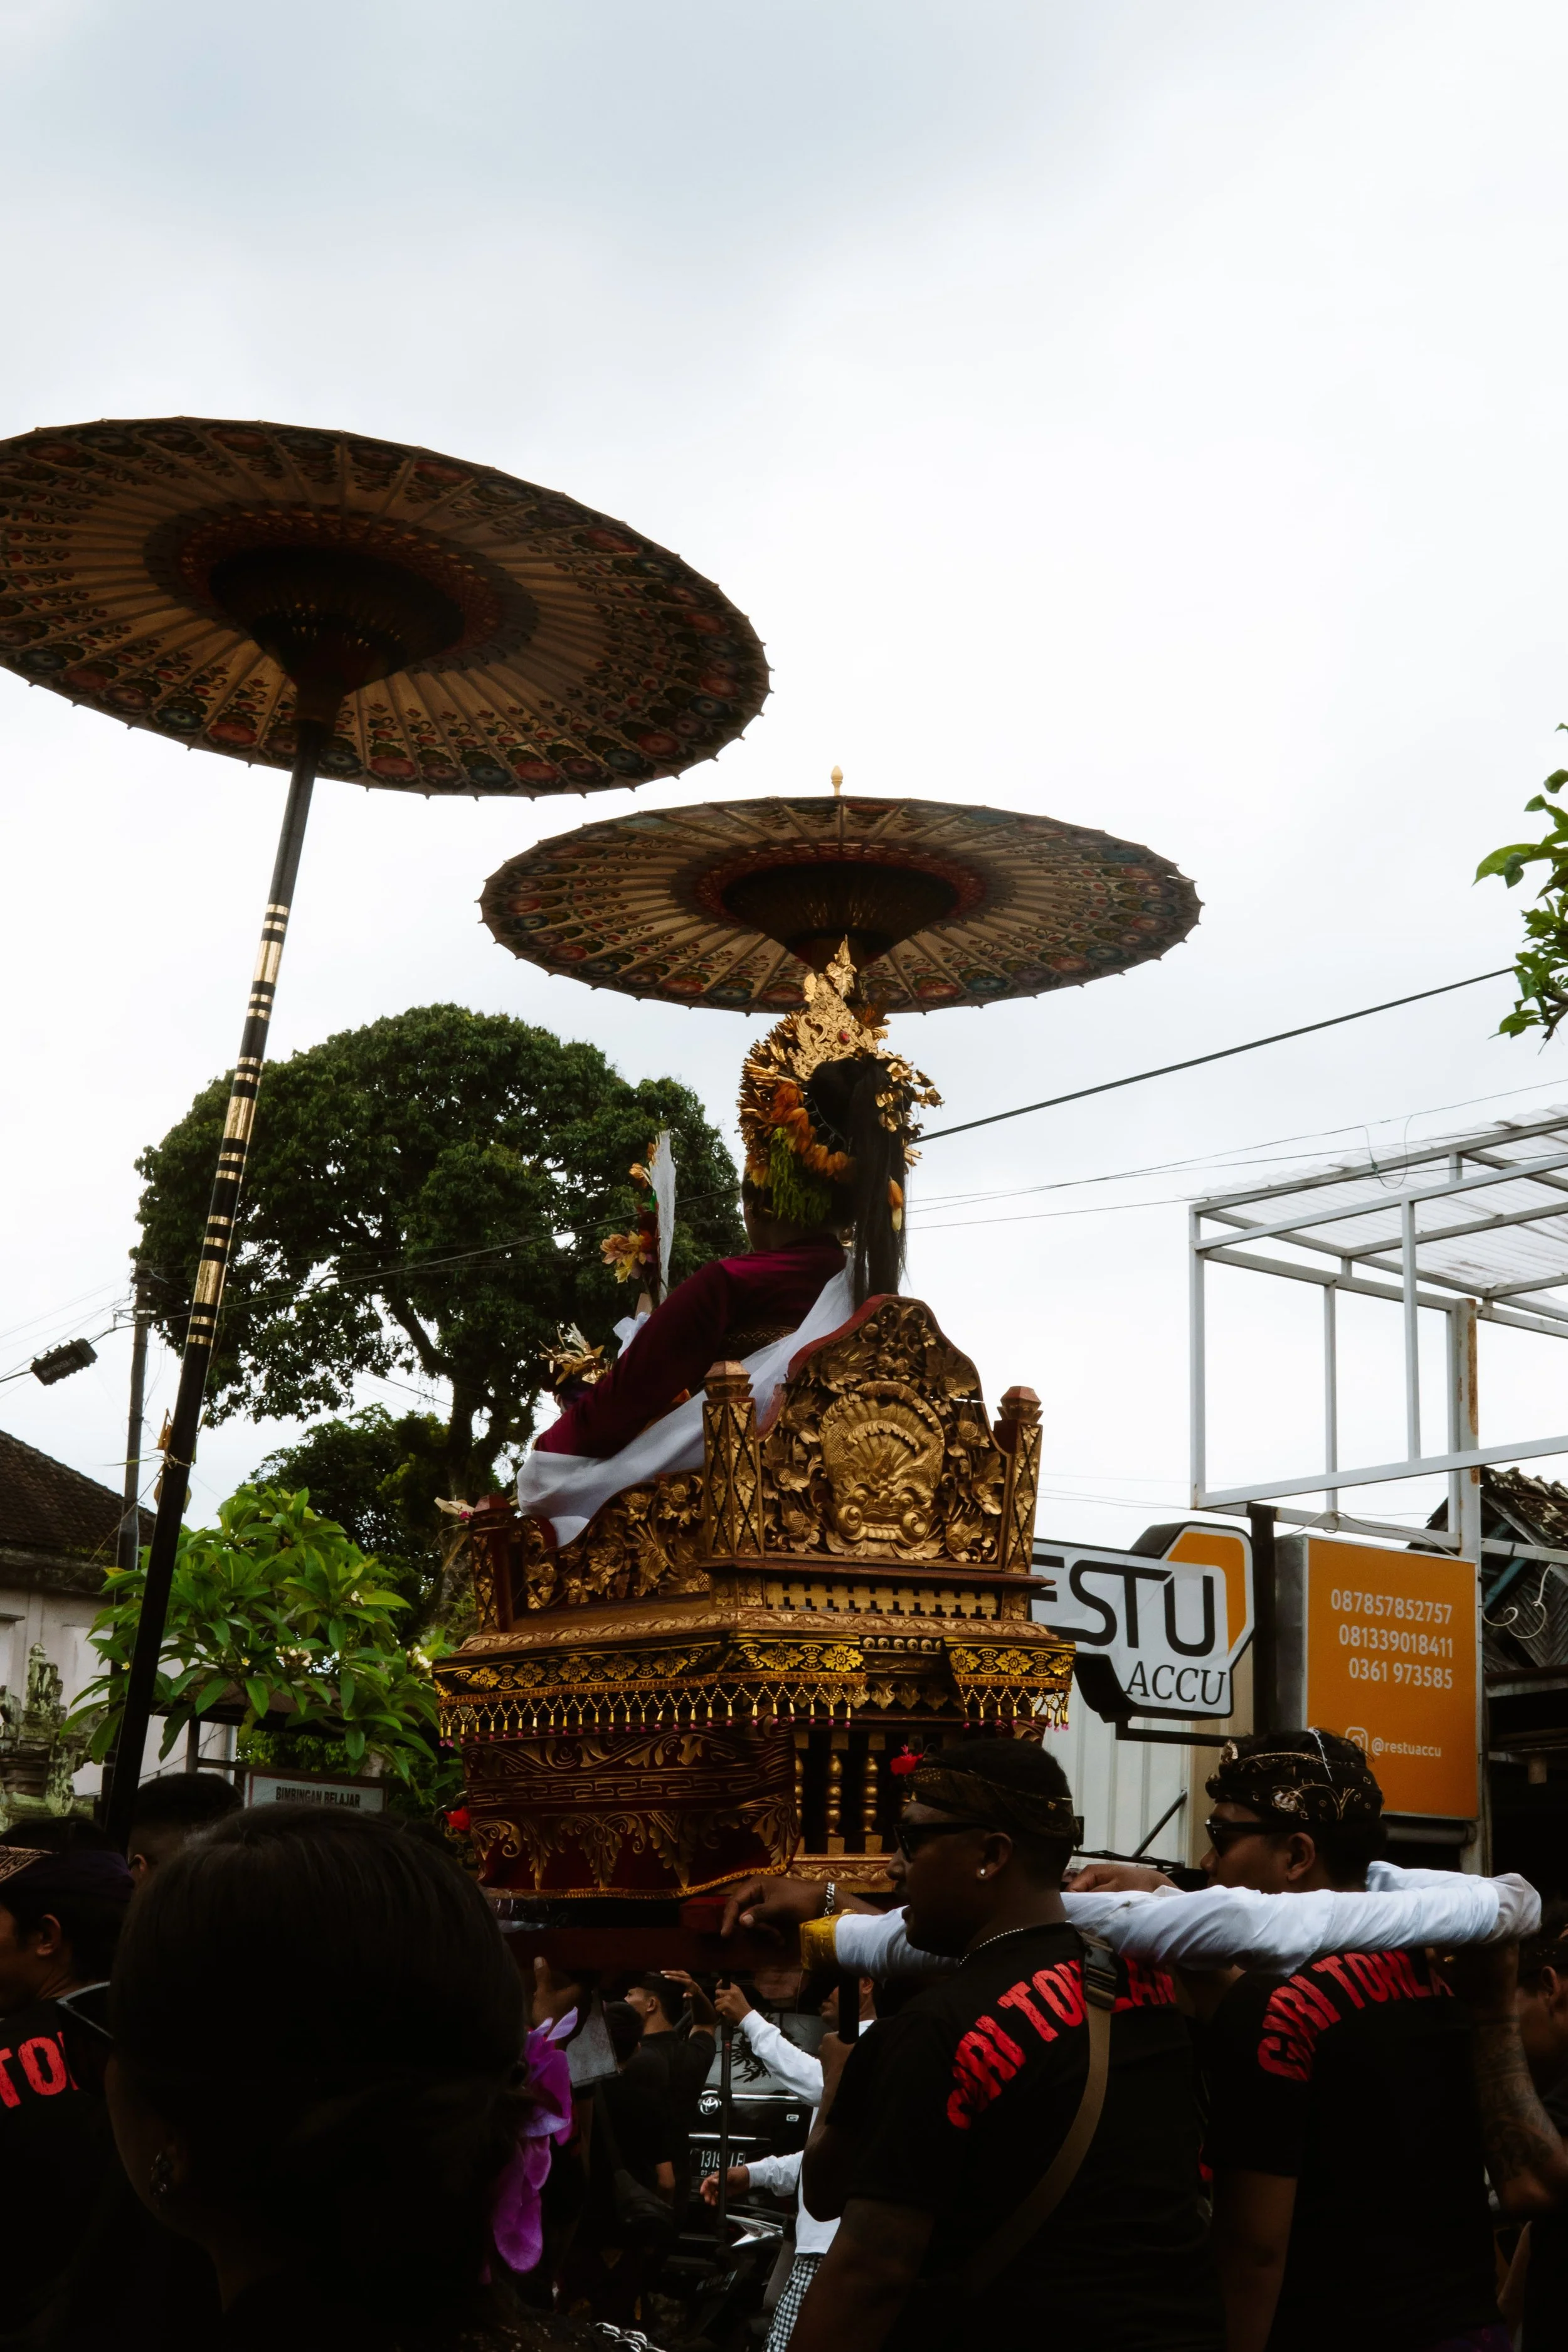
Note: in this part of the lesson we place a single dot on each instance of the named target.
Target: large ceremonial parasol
(728, 905)
(325, 603)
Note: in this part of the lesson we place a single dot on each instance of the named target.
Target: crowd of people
(275, 2075)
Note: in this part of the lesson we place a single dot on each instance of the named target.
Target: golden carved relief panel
(881, 1449)
(645, 1540)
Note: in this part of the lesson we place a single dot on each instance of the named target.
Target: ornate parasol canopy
(727, 904)
(319, 602)
(178, 572)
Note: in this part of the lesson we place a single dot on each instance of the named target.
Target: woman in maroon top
(826, 1137)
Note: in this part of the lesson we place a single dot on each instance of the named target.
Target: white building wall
(1122, 1787)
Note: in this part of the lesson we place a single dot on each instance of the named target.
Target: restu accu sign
(1158, 1630)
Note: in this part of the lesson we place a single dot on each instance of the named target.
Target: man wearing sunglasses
(1017, 2148)
(1350, 2198)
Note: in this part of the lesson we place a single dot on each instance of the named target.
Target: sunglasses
(909, 1836)
(1223, 1835)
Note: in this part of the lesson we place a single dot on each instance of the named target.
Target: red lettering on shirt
(10, 2097)
(1368, 1972)
(1333, 1965)
(1410, 1984)
(1019, 1997)
(43, 2063)
(1296, 2015)
(985, 2059)
(1061, 1988)
(1146, 1988)
(1298, 2011)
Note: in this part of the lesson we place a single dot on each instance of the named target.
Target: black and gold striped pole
(334, 620)
(201, 1333)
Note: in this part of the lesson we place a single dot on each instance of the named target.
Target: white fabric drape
(569, 1488)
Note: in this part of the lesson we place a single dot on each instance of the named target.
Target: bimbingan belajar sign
(1157, 1630)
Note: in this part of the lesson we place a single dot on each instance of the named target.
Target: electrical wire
(1195, 1061)
(418, 1266)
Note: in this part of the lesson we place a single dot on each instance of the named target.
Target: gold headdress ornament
(785, 1155)
(571, 1358)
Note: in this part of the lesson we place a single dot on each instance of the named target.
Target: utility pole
(130, 1547)
(1266, 1708)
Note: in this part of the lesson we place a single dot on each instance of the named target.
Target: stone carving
(40, 1756)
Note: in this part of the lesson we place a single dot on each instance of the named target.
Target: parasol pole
(201, 1330)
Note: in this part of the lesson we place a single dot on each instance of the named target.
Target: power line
(1195, 1061)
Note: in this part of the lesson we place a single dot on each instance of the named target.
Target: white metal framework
(1475, 1226)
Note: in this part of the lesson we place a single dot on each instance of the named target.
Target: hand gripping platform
(714, 1677)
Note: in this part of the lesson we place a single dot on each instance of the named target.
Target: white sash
(569, 1488)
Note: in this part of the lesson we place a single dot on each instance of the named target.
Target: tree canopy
(378, 1475)
(428, 1196)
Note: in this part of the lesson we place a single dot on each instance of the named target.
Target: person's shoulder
(39, 2019)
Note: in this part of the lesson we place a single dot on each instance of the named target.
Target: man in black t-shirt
(675, 2064)
(59, 1916)
(606, 2266)
(1350, 2198)
(948, 2115)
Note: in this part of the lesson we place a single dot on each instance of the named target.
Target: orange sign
(1390, 1663)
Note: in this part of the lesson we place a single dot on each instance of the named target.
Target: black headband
(954, 1789)
(92, 1870)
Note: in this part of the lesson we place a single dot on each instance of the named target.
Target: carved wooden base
(712, 1680)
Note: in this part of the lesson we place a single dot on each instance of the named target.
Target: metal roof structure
(1473, 1226)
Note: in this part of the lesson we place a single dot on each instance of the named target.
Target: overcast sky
(1149, 415)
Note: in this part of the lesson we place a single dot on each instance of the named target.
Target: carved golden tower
(714, 1677)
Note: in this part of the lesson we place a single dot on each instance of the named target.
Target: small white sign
(1164, 1628)
(299, 1789)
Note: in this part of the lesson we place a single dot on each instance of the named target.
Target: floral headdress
(787, 1155)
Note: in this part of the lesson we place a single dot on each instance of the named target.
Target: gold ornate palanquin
(714, 1677)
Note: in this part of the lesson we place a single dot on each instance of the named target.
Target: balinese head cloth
(1305, 1778)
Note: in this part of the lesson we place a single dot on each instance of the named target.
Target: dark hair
(325, 2009)
(1345, 1847)
(624, 2027)
(90, 1924)
(1547, 1948)
(841, 1097)
(1034, 1771)
(184, 1800)
(669, 1997)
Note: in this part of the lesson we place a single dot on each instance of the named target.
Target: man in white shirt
(801, 2073)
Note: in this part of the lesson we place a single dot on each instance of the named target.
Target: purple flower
(515, 2220)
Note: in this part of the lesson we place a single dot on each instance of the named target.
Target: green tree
(427, 1195)
(274, 1609)
(1542, 965)
(378, 1475)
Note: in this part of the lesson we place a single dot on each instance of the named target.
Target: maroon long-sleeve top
(725, 1309)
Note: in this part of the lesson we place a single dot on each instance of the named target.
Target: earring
(981, 1872)
(160, 2180)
